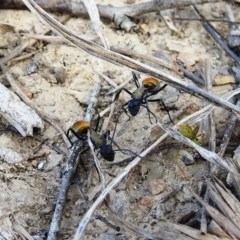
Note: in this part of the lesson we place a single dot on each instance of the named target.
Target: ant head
(107, 152)
(134, 106)
(151, 84)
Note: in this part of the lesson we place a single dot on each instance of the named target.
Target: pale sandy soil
(28, 194)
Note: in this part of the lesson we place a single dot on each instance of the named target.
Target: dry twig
(97, 163)
(222, 220)
(215, 35)
(121, 16)
(69, 170)
(96, 22)
(208, 155)
(160, 61)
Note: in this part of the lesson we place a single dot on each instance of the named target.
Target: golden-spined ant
(80, 128)
(140, 97)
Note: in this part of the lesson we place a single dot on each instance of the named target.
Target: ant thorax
(138, 93)
(97, 140)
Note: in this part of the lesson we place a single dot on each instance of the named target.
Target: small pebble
(41, 165)
(130, 1)
(194, 107)
(35, 163)
(145, 201)
(32, 67)
(29, 95)
(186, 157)
(60, 74)
(144, 27)
(157, 186)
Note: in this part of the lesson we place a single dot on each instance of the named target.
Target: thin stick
(121, 16)
(119, 87)
(107, 79)
(70, 169)
(97, 163)
(212, 130)
(212, 32)
(207, 20)
(106, 120)
(19, 49)
(212, 141)
(232, 121)
(165, 63)
(204, 214)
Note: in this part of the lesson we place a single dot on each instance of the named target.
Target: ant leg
(135, 79)
(75, 134)
(122, 150)
(124, 107)
(154, 93)
(161, 88)
(106, 135)
(149, 111)
(118, 93)
(164, 106)
(114, 131)
(68, 136)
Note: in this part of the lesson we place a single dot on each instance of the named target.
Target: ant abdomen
(81, 127)
(151, 84)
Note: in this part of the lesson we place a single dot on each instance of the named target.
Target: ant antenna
(121, 149)
(164, 106)
(115, 128)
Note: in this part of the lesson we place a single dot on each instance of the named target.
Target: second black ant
(80, 128)
(140, 97)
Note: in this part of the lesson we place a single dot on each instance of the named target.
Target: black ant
(80, 128)
(150, 86)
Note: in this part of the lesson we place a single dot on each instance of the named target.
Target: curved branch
(121, 16)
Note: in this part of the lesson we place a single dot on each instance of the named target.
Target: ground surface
(28, 194)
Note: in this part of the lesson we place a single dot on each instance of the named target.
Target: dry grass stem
(96, 22)
(222, 221)
(107, 79)
(97, 163)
